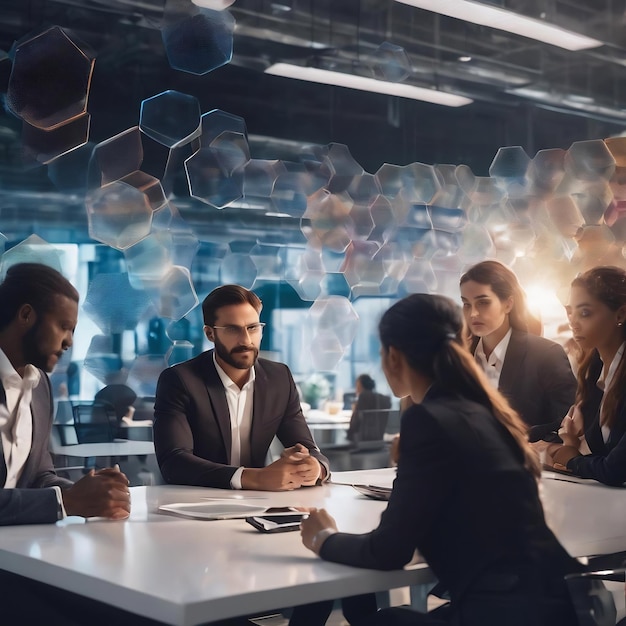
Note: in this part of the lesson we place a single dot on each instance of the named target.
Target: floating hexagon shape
(260, 176)
(50, 78)
(215, 122)
(450, 220)
(238, 268)
(69, 172)
(267, 262)
(101, 359)
(118, 214)
(304, 271)
(115, 158)
(171, 118)
(361, 272)
(383, 218)
(199, 44)
(450, 194)
(392, 63)
(510, 163)
(333, 322)
(209, 181)
(546, 170)
(417, 180)
(144, 373)
(330, 222)
(418, 278)
(476, 244)
(176, 295)
(565, 215)
(179, 351)
(149, 186)
(148, 262)
(232, 150)
(32, 250)
(113, 304)
(43, 146)
(593, 200)
(342, 166)
(364, 188)
(589, 160)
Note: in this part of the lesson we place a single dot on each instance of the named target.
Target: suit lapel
(258, 413)
(513, 361)
(217, 400)
(40, 407)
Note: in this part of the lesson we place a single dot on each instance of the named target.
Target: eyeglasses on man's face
(233, 330)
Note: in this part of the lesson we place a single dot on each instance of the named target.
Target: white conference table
(118, 447)
(186, 572)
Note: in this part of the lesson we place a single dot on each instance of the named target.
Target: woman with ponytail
(533, 373)
(465, 495)
(593, 434)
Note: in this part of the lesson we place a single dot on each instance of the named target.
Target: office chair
(94, 423)
(594, 602)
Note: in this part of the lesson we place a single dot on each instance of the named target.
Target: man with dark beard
(38, 313)
(216, 415)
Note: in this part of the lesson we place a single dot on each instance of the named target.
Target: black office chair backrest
(594, 603)
(371, 429)
(94, 423)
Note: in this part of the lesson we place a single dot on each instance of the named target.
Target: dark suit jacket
(28, 503)
(537, 379)
(464, 500)
(192, 435)
(607, 461)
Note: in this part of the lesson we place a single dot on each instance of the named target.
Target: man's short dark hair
(227, 295)
(35, 284)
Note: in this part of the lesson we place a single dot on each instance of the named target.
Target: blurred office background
(155, 149)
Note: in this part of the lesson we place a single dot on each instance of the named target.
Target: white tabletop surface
(186, 572)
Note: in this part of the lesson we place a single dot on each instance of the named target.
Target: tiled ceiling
(575, 95)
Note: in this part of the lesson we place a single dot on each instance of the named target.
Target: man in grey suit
(216, 415)
(38, 314)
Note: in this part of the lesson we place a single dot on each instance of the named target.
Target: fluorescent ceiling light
(494, 17)
(352, 81)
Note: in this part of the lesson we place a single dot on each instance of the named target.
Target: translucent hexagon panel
(589, 160)
(342, 166)
(363, 270)
(333, 326)
(50, 78)
(148, 261)
(115, 158)
(144, 373)
(392, 63)
(330, 224)
(101, 359)
(43, 146)
(113, 304)
(69, 171)
(33, 249)
(509, 167)
(304, 271)
(450, 194)
(119, 215)
(199, 44)
(215, 122)
(176, 295)
(232, 150)
(171, 118)
(238, 268)
(418, 278)
(260, 176)
(336, 316)
(417, 180)
(546, 170)
(210, 182)
(179, 351)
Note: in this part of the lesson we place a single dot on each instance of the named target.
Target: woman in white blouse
(533, 373)
(594, 445)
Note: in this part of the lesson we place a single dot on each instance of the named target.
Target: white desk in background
(327, 427)
(187, 572)
(120, 447)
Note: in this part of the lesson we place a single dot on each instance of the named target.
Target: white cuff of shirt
(61, 513)
(235, 481)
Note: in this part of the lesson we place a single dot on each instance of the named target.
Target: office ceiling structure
(381, 190)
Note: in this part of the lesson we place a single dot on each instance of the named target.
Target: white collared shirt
(240, 403)
(605, 382)
(16, 418)
(492, 366)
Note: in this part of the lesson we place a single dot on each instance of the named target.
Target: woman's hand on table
(316, 528)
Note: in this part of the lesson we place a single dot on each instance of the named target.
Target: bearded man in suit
(216, 415)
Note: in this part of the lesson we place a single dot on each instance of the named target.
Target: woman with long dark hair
(594, 445)
(465, 495)
(533, 373)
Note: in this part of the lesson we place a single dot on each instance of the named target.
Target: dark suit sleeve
(609, 469)
(423, 481)
(293, 428)
(28, 506)
(173, 438)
